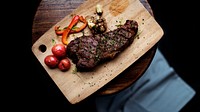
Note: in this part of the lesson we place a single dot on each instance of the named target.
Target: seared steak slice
(88, 51)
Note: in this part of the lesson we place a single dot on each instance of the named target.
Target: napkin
(159, 89)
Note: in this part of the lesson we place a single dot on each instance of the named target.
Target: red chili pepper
(59, 31)
(75, 30)
(81, 27)
(68, 29)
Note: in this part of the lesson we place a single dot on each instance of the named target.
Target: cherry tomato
(59, 50)
(64, 64)
(51, 61)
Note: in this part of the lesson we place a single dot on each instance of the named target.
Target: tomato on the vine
(64, 64)
(51, 61)
(59, 50)
(58, 58)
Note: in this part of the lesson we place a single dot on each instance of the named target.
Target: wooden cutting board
(76, 86)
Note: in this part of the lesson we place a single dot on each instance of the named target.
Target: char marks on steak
(88, 51)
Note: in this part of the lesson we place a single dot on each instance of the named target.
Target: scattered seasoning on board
(119, 22)
(74, 71)
(138, 34)
(143, 21)
(53, 41)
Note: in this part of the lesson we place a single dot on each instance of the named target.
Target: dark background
(180, 22)
(26, 88)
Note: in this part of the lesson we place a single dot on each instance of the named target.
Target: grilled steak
(88, 51)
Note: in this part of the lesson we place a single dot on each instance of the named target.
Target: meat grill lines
(88, 51)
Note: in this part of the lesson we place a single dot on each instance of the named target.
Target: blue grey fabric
(160, 89)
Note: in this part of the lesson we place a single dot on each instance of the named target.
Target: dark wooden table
(49, 12)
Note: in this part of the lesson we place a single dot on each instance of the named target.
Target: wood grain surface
(54, 12)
